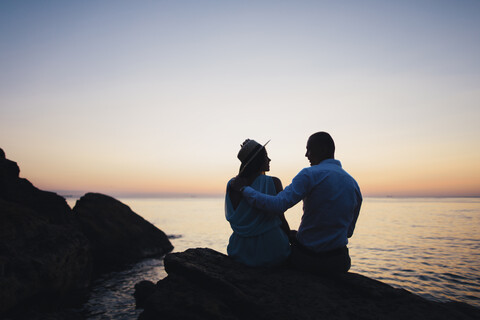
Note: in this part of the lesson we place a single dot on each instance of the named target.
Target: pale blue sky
(156, 96)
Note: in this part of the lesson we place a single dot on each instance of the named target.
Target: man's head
(320, 146)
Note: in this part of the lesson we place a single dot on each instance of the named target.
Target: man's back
(331, 206)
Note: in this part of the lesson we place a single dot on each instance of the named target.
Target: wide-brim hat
(250, 148)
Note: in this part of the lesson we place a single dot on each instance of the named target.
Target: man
(331, 204)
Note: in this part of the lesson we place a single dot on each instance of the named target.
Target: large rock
(44, 259)
(41, 263)
(205, 284)
(117, 235)
(19, 190)
(46, 250)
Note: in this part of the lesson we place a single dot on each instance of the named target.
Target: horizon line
(77, 194)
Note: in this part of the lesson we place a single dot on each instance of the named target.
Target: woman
(259, 238)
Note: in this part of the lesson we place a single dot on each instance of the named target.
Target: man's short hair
(322, 142)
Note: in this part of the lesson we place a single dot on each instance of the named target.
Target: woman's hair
(255, 165)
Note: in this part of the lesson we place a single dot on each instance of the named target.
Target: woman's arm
(278, 187)
(278, 184)
(234, 195)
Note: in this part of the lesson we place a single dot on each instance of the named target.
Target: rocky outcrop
(48, 252)
(44, 259)
(14, 189)
(205, 284)
(39, 261)
(117, 235)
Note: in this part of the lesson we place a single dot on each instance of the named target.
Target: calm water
(429, 246)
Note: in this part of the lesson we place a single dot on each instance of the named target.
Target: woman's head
(254, 158)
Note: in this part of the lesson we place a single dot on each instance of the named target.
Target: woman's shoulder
(229, 184)
(274, 178)
(277, 182)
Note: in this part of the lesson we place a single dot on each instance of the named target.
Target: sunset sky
(155, 97)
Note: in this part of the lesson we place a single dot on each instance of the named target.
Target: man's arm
(284, 200)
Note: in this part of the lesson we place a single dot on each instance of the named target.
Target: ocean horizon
(427, 245)
(78, 194)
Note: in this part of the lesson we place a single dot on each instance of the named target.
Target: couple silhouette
(255, 205)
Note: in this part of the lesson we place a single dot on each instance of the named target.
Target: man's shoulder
(316, 169)
(332, 167)
(322, 169)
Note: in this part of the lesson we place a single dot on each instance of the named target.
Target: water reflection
(112, 295)
(437, 239)
(428, 246)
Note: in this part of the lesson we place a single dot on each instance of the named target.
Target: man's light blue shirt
(331, 204)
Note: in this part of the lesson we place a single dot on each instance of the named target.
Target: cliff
(205, 284)
(50, 253)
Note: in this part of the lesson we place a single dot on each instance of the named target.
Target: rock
(44, 259)
(143, 290)
(41, 263)
(18, 190)
(205, 284)
(117, 235)
(48, 253)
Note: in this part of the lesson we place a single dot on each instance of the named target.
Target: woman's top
(257, 238)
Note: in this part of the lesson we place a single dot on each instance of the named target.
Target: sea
(428, 246)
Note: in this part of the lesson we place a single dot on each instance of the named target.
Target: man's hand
(238, 183)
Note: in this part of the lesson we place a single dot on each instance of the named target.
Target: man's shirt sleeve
(284, 200)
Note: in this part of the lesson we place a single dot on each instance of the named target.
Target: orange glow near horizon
(135, 174)
(405, 182)
(372, 183)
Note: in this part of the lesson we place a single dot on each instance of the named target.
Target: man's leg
(303, 259)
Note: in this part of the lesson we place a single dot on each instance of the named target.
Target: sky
(155, 97)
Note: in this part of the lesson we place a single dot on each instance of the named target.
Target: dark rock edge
(205, 284)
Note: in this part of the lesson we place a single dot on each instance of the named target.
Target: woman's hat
(250, 148)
